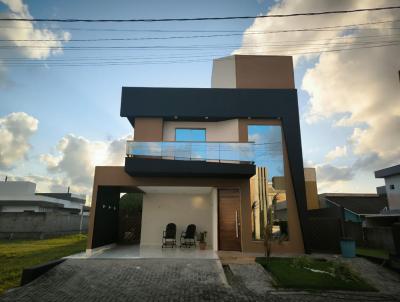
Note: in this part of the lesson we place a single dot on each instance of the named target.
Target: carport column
(103, 228)
(214, 200)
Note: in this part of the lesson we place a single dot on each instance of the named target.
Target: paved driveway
(130, 280)
(162, 280)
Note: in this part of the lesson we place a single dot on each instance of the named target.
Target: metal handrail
(187, 150)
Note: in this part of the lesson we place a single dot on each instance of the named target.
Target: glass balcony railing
(206, 151)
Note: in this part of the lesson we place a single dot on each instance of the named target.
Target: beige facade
(116, 177)
(223, 131)
(242, 71)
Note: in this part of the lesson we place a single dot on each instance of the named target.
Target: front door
(229, 220)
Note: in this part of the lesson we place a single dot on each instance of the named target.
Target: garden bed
(313, 274)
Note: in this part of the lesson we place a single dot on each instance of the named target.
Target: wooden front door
(229, 220)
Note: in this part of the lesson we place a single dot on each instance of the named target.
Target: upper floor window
(190, 135)
(391, 187)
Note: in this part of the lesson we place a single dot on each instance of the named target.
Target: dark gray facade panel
(394, 170)
(136, 166)
(198, 103)
(221, 104)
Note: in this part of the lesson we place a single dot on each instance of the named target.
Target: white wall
(393, 195)
(15, 209)
(224, 131)
(159, 209)
(17, 188)
(224, 73)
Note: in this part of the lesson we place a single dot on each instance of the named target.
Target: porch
(137, 251)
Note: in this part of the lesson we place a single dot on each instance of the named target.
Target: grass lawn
(375, 253)
(15, 255)
(290, 273)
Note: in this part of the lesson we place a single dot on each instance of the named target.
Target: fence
(327, 226)
(380, 238)
(354, 230)
(39, 225)
(325, 229)
(129, 226)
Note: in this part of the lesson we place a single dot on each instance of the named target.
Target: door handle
(236, 224)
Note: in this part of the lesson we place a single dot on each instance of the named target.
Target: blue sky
(84, 102)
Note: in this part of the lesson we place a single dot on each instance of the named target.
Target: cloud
(15, 132)
(362, 86)
(333, 179)
(336, 153)
(13, 30)
(77, 156)
(329, 173)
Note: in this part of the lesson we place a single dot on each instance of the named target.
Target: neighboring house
(390, 191)
(356, 206)
(21, 196)
(391, 176)
(195, 155)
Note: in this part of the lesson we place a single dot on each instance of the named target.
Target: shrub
(301, 262)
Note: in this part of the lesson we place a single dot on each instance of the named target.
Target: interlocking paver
(154, 280)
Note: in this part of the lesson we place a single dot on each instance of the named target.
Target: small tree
(268, 234)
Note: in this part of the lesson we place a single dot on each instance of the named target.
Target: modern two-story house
(227, 159)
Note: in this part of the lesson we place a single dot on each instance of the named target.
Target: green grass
(375, 253)
(290, 273)
(16, 255)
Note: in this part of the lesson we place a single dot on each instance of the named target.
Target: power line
(202, 18)
(193, 46)
(322, 28)
(98, 64)
(143, 38)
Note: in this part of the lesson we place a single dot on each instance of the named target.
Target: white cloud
(15, 132)
(336, 153)
(333, 179)
(361, 85)
(328, 173)
(14, 30)
(77, 156)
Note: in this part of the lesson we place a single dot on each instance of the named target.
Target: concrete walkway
(146, 251)
(380, 277)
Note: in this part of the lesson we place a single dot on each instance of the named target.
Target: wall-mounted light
(175, 117)
(249, 117)
(206, 117)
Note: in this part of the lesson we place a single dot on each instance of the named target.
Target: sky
(60, 98)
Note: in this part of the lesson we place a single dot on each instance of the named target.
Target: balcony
(217, 159)
(203, 151)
